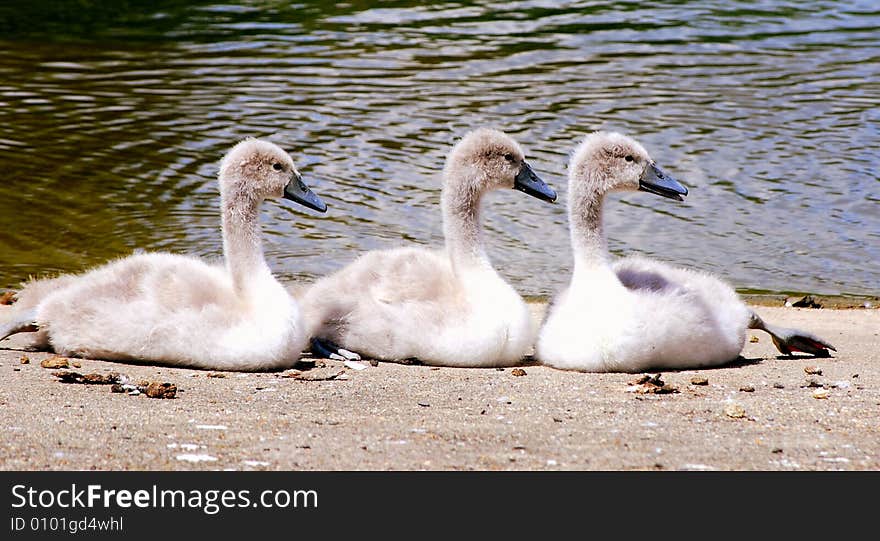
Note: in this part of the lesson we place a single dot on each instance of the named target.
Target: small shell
(354, 365)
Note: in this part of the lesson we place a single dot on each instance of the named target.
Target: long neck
(241, 240)
(593, 272)
(461, 225)
(587, 228)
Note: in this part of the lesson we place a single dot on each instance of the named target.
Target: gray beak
(528, 182)
(296, 190)
(655, 181)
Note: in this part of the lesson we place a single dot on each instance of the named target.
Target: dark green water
(114, 114)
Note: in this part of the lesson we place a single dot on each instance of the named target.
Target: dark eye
(629, 158)
(277, 166)
(508, 157)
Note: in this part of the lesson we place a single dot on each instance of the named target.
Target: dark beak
(296, 190)
(528, 182)
(655, 181)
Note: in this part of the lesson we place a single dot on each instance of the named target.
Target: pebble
(778, 385)
(55, 361)
(747, 389)
(813, 370)
(24, 359)
(648, 384)
(699, 380)
(821, 394)
(161, 390)
(518, 372)
(734, 411)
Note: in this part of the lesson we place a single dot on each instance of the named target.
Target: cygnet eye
(629, 158)
(509, 157)
(277, 166)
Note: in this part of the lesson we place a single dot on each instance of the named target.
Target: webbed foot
(790, 340)
(329, 350)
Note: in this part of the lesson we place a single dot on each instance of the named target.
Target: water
(114, 115)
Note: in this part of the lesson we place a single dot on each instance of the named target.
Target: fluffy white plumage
(178, 310)
(640, 314)
(637, 314)
(443, 307)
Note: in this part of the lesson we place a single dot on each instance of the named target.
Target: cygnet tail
(789, 340)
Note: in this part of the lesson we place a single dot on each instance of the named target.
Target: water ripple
(766, 110)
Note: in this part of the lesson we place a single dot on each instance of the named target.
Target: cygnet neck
(242, 244)
(587, 227)
(461, 224)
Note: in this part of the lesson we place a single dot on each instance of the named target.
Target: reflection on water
(113, 116)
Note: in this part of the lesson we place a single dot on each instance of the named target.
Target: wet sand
(399, 417)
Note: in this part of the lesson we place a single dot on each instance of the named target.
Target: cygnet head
(487, 159)
(254, 170)
(609, 161)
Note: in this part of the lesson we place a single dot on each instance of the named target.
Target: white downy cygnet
(637, 314)
(178, 310)
(442, 307)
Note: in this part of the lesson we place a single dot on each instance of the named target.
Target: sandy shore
(415, 417)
